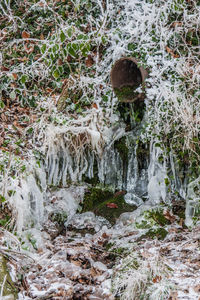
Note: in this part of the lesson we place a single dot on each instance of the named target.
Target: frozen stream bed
(78, 264)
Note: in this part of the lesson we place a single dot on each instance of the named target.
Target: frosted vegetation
(79, 41)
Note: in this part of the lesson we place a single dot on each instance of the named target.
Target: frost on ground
(117, 261)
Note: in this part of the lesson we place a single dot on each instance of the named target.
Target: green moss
(93, 197)
(159, 233)
(158, 217)
(9, 287)
(125, 93)
(98, 201)
(154, 221)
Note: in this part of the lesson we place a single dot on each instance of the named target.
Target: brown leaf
(23, 59)
(89, 61)
(112, 205)
(119, 193)
(60, 62)
(174, 24)
(15, 76)
(173, 295)
(49, 90)
(197, 288)
(170, 51)
(42, 36)
(156, 279)
(181, 222)
(1, 141)
(169, 216)
(25, 35)
(29, 49)
(4, 69)
(76, 262)
(41, 4)
(94, 105)
(105, 235)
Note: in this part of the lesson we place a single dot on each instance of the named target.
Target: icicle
(157, 174)
(192, 200)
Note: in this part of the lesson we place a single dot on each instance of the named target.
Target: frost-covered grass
(137, 278)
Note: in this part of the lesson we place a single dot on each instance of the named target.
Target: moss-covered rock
(106, 204)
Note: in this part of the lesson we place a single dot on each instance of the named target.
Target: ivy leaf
(24, 79)
(62, 37)
(69, 32)
(2, 198)
(43, 48)
(12, 95)
(56, 74)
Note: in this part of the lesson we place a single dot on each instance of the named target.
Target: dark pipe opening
(126, 76)
(126, 73)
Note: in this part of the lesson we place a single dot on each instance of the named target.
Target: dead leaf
(25, 35)
(15, 76)
(41, 4)
(156, 279)
(181, 222)
(49, 90)
(1, 141)
(170, 51)
(89, 61)
(60, 62)
(23, 59)
(94, 105)
(169, 216)
(112, 205)
(42, 36)
(105, 235)
(29, 49)
(174, 24)
(76, 262)
(4, 69)
(119, 193)
(173, 296)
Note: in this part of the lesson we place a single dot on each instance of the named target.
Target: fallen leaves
(15, 76)
(176, 24)
(170, 51)
(169, 216)
(94, 105)
(157, 279)
(25, 35)
(4, 69)
(173, 296)
(89, 61)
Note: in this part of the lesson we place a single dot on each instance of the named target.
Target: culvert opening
(126, 77)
